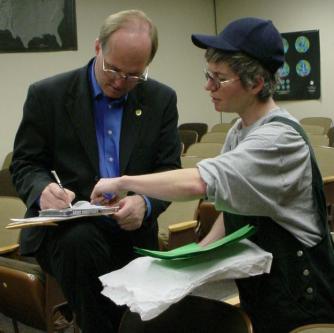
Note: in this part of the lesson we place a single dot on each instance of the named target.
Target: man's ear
(97, 46)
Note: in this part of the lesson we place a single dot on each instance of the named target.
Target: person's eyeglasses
(127, 77)
(216, 81)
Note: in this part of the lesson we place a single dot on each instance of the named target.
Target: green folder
(193, 249)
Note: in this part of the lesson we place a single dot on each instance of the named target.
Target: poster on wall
(37, 25)
(300, 74)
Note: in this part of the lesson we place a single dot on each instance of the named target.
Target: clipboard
(51, 217)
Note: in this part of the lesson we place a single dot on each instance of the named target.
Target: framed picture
(300, 74)
(37, 26)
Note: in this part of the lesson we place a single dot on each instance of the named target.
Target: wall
(289, 16)
(177, 63)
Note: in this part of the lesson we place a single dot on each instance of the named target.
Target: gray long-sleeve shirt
(265, 170)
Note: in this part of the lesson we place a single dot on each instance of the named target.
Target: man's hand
(55, 197)
(131, 213)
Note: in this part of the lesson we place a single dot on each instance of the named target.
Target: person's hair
(126, 18)
(248, 69)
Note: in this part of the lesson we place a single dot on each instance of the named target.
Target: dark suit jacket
(58, 132)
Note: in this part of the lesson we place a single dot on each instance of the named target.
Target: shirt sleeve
(262, 174)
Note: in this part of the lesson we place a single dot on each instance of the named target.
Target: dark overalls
(300, 287)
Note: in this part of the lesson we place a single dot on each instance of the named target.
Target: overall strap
(317, 183)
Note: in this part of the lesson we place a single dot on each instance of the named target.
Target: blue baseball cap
(255, 37)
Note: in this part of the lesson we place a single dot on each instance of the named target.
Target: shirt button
(109, 106)
(109, 132)
(309, 290)
(110, 159)
(306, 272)
(300, 253)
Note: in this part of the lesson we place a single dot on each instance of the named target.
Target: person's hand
(55, 197)
(104, 186)
(131, 212)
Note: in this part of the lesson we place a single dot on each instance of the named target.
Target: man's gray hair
(248, 69)
(127, 18)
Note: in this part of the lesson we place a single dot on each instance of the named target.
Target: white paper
(149, 286)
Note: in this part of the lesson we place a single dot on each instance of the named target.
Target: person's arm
(175, 185)
(217, 231)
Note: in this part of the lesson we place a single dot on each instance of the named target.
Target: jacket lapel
(133, 117)
(80, 109)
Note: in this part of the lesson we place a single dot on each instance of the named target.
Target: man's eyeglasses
(216, 81)
(127, 77)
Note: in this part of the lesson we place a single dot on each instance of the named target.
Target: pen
(54, 173)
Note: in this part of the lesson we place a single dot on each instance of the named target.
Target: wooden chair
(200, 128)
(318, 140)
(27, 294)
(204, 149)
(191, 314)
(214, 137)
(178, 224)
(187, 137)
(313, 129)
(190, 161)
(314, 328)
(7, 161)
(330, 135)
(6, 186)
(323, 122)
(325, 159)
(329, 195)
(221, 127)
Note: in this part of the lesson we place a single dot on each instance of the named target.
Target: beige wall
(289, 16)
(177, 63)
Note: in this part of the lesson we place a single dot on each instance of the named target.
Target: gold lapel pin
(138, 112)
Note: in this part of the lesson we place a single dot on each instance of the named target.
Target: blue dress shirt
(108, 119)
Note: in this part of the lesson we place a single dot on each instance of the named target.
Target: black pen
(59, 183)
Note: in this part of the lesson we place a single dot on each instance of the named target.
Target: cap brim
(206, 41)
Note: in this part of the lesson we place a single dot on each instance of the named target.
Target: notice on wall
(300, 74)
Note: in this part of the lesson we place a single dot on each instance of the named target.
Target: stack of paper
(149, 286)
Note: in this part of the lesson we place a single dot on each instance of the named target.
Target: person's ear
(97, 46)
(258, 85)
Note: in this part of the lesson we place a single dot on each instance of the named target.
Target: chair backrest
(188, 137)
(324, 122)
(191, 314)
(318, 140)
(325, 159)
(190, 161)
(214, 137)
(330, 135)
(10, 207)
(315, 328)
(200, 128)
(204, 149)
(6, 186)
(221, 127)
(313, 129)
(7, 161)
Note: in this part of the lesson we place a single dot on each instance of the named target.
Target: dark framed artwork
(37, 25)
(300, 74)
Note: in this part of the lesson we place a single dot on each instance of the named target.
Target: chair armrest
(8, 248)
(182, 233)
(182, 226)
(328, 179)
